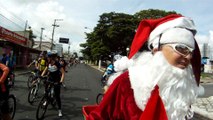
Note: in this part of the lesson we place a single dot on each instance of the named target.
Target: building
(206, 57)
(45, 45)
(17, 45)
(59, 48)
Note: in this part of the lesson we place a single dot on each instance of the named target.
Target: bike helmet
(117, 57)
(52, 53)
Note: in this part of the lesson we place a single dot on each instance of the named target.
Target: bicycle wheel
(42, 108)
(30, 80)
(99, 97)
(32, 94)
(12, 105)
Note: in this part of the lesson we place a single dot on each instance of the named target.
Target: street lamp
(41, 38)
(54, 25)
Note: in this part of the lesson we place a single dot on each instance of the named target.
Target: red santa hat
(152, 30)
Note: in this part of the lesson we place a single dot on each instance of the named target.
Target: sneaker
(59, 113)
(45, 103)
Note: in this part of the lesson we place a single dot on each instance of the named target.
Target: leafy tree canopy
(114, 33)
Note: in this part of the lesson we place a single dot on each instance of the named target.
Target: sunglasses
(181, 49)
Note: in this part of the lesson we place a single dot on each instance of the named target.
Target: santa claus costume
(151, 88)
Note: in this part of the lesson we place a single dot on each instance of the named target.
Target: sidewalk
(203, 106)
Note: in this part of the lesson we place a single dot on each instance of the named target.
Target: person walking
(63, 66)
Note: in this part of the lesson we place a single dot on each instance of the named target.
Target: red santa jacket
(119, 104)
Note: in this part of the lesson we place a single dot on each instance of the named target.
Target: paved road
(82, 86)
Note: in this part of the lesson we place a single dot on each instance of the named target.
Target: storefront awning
(12, 36)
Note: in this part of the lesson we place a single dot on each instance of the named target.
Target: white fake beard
(177, 87)
(178, 91)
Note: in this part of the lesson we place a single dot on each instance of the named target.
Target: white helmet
(51, 53)
(117, 57)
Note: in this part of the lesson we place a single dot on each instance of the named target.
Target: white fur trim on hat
(181, 22)
(176, 35)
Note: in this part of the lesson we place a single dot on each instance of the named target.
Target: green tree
(114, 33)
(151, 14)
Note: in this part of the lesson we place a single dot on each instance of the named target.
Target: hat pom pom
(122, 64)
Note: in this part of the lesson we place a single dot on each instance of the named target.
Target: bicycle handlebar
(52, 82)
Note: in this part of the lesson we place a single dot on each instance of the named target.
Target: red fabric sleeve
(154, 109)
(117, 104)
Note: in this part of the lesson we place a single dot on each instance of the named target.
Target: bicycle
(33, 92)
(99, 98)
(33, 76)
(11, 105)
(48, 98)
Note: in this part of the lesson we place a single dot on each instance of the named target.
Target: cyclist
(42, 62)
(4, 93)
(109, 70)
(56, 74)
(35, 62)
(39, 64)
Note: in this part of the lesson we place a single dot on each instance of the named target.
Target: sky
(77, 17)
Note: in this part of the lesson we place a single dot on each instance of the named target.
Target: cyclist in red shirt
(4, 93)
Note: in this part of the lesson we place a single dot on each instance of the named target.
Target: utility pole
(41, 38)
(54, 25)
(25, 28)
(69, 50)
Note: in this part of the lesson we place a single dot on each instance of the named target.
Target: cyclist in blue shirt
(109, 70)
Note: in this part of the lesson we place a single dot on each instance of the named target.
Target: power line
(5, 20)
(14, 23)
(13, 16)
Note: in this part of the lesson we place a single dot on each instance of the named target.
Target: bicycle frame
(49, 97)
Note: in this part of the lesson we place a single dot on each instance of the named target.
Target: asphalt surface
(82, 86)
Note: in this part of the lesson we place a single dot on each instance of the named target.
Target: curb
(202, 112)
(96, 67)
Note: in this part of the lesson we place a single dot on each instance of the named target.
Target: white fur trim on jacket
(122, 64)
(142, 82)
